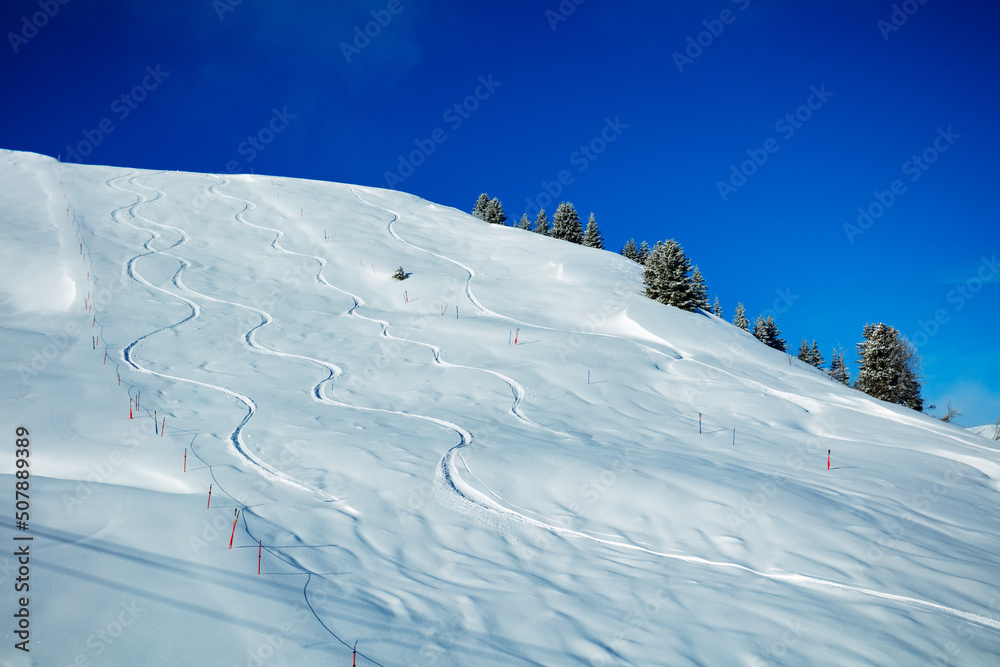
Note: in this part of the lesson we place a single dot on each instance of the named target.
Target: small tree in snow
(889, 367)
(644, 252)
(815, 356)
(479, 210)
(541, 223)
(592, 235)
(951, 415)
(767, 332)
(698, 290)
(400, 274)
(740, 318)
(717, 308)
(495, 214)
(838, 369)
(566, 224)
(630, 251)
(525, 224)
(666, 276)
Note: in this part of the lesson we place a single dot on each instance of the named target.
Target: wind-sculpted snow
(627, 484)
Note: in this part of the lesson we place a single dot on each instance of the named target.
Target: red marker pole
(828, 459)
(258, 556)
(185, 459)
(163, 426)
(130, 408)
(235, 515)
(209, 497)
(516, 334)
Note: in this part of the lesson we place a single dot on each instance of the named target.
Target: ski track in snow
(236, 445)
(458, 495)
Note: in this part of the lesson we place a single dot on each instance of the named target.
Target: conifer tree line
(565, 223)
(888, 364)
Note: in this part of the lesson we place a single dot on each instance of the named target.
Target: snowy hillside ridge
(990, 431)
(513, 457)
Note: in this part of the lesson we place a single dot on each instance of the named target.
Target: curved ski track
(236, 444)
(468, 500)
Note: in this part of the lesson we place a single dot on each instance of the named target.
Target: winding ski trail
(457, 494)
(129, 355)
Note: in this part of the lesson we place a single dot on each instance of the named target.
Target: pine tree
(838, 369)
(740, 318)
(654, 274)
(815, 356)
(666, 276)
(717, 308)
(541, 223)
(630, 251)
(525, 224)
(566, 224)
(644, 252)
(494, 213)
(767, 332)
(479, 211)
(888, 367)
(803, 354)
(592, 236)
(698, 290)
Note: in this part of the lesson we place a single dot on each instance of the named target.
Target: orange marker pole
(185, 459)
(209, 497)
(235, 515)
(163, 426)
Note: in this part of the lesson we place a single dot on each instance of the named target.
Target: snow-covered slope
(417, 483)
(987, 431)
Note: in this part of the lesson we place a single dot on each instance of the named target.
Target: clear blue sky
(297, 89)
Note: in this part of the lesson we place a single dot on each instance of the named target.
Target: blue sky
(750, 131)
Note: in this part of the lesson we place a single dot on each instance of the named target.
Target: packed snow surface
(628, 484)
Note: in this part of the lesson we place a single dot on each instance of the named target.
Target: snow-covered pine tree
(494, 212)
(644, 252)
(803, 354)
(630, 251)
(740, 318)
(815, 356)
(592, 235)
(760, 329)
(768, 333)
(774, 336)
(666, 276)
(910, 375)
(717, 308)
(654, 274)
(525, 224)
(541, 223)
(699, 293)
(838, 369)
(479, 210)
(566, 224)
(888, 367)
